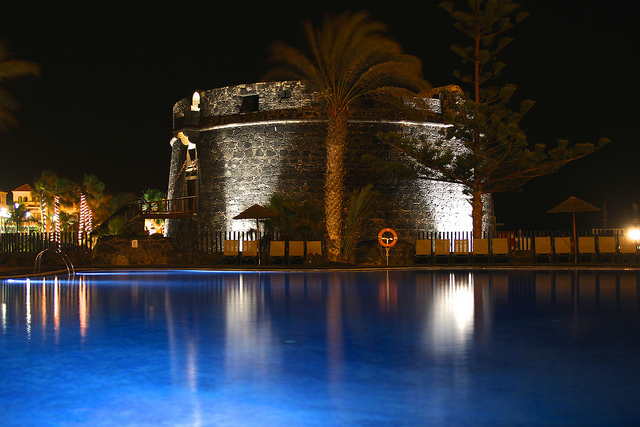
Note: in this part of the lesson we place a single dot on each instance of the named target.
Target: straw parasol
(573, 205)
(257, 212)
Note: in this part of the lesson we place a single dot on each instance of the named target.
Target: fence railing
(213, 241)
(36, 242)
(520, 240)
(171, 208)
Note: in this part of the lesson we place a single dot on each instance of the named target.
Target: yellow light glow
(634, 234)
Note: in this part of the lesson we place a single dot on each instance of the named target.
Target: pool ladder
(65, 258)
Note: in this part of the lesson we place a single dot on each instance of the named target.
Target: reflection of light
(44, 304)
(452, 316)
(28, 307)
(248, 342)
(634, 234)
(83, 307)
(3, 313)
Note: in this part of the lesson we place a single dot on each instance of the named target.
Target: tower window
(250, 103)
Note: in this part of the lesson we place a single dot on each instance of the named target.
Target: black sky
(112, 71)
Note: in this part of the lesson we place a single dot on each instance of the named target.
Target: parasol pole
(258, 240)
(575, 239)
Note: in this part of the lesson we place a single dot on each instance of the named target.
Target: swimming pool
(423, 347)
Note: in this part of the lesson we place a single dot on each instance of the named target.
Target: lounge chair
(296, 251)
(542, 248)
(442, 250)
(628, 249)
(276, 251)
(314, 247)
(500, 249)
(563, 249)
(231, 250)
(423, 250)
(460, 250)
(249, 251)
(607, 248)
(587, 249)
(480, 250)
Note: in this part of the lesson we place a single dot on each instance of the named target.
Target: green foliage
(296, 216)
(116, 225)
(19, 217)
(360, 209)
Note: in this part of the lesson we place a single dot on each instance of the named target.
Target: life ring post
(387, 242)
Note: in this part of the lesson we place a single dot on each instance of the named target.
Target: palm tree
(11, 68)
(20, 215)
(350, 60)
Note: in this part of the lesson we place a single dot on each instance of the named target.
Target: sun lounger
(586, 249)
(628, 249)
(480, 250)
(542, 248)
(296, 251)
(460, 250)
(563, 249)
(607, 248)
(276, 251)
(314, 247)
(423, 251)
(249, 251)
(500, 249)
(231, 250)
(442, 250)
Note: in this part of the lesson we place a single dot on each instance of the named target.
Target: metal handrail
(181, 205)
(67, 262)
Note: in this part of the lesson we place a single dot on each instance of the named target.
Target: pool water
(191, 348)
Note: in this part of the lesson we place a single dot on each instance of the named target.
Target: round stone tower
(237, 146)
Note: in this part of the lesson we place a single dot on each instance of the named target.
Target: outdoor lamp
(634, 234)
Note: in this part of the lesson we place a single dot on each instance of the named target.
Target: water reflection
(209, 331)
(450, 316)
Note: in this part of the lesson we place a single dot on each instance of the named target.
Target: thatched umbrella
(573, 205)
(257, 212)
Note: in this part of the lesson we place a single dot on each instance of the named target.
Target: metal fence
(33, 242)
(206, 241)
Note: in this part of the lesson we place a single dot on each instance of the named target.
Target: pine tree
(485, 148)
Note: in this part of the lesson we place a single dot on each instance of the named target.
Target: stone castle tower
(238, 145)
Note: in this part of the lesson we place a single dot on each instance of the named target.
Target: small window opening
(250, 103)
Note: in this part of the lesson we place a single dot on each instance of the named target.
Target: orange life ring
(385, 241)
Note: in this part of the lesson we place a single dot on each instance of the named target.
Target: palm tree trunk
(476, 213)
(334, 183)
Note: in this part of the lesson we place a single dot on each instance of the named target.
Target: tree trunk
(334, 184)
(476, 213)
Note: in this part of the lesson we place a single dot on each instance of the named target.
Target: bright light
(4, 213)
(195, 102)
(634, 234)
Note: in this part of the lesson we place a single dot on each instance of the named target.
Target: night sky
(112, 71)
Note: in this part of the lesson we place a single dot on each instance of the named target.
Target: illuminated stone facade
(254, 140)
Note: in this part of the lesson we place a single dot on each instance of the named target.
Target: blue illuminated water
(190, 348)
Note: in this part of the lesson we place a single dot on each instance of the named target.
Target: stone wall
(246, 160)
